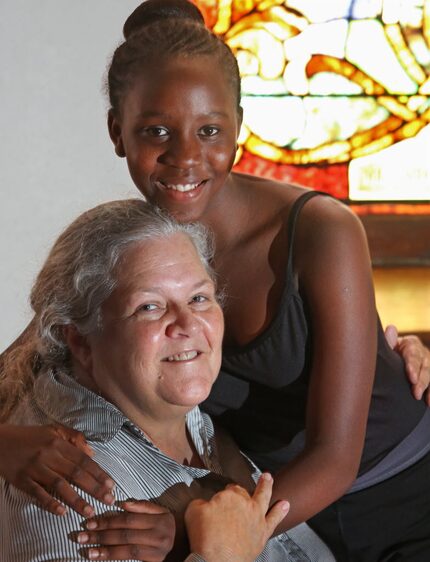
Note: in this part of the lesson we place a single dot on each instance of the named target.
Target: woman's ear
(239, 118)
(114, 128)
(79, 347)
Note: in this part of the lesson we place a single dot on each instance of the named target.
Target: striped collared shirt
(139, 468)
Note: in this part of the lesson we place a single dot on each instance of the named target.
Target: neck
(168, 431)
(228, 215)
(174, 441)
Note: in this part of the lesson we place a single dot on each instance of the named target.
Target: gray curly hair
(77, 278)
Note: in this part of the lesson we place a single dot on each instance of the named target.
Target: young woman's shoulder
(325, 216)
(329, 233)
(267, 192)
(324, 211)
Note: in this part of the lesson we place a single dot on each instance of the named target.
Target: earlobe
(239, 118)
(79, 347)
(114, 128)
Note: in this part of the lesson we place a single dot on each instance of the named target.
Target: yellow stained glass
(340, 82)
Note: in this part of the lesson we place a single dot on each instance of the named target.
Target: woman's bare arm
(334, 273)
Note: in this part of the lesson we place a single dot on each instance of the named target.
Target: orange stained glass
(334, 94)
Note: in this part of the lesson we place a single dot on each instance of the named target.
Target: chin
(192, 396)
(183, 215)
(189, 210)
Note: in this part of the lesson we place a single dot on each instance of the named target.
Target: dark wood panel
(424, 337)
(398, 240)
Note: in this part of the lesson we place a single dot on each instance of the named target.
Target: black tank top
(261, 392)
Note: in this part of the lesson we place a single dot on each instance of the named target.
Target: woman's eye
(156, 132)
(198, 299)
(209, 131)
(147, 307)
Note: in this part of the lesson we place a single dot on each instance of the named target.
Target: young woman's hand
(417, 359)
(231, 526)
(43, 460)
(143, 531)
(234, 525)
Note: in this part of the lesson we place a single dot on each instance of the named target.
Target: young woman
(308, 385)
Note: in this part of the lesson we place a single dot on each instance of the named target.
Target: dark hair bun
(153, 10)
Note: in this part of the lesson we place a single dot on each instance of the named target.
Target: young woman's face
(178, 127)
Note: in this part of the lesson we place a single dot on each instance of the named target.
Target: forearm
(181, 546)
(7, 443)
(313, 481)
(343, 323)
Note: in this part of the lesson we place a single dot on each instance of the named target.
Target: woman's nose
(183, 152)
(182, 324)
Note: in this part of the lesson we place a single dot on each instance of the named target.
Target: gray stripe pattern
(140, 469)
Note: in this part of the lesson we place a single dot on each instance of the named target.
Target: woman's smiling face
(177, 127)
(159, 350)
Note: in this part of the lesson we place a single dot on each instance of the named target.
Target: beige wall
(56, 159)
(55, 156)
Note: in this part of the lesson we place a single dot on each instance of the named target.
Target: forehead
(169, 259)
(180, 83)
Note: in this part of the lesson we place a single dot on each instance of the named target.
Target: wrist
(194, 557)
(218, 554)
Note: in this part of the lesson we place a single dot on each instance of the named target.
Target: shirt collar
(67, 402)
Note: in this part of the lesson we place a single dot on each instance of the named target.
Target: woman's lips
(183, 356)
(181, 191)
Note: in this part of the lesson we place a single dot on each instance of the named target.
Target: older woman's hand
(417, 359)
(233, 525)
(42, 460)
(143, 531)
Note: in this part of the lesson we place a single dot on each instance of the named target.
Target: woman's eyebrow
(203, 283)
(164, 115)
(152, 113)
(159, 288)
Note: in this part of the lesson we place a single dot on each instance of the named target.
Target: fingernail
(61, 510)
(109, 483)
(91, 525)
(88, 511)
(93, 553)
(285, 506)
(109, 499)
(83, 538)
(267, 476)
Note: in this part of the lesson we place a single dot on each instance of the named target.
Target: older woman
(129, 339)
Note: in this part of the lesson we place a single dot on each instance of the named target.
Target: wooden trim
(424, 337)
(398, 240)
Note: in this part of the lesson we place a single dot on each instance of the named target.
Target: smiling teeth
(185, 356)
(183, 186)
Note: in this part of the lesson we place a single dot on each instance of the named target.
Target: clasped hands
(232, 526)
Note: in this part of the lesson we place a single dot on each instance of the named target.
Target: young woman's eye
(156, 132)
(209, 131)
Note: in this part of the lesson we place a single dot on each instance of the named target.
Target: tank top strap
(292, 222)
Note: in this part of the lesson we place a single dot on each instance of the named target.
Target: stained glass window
(336, 95)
